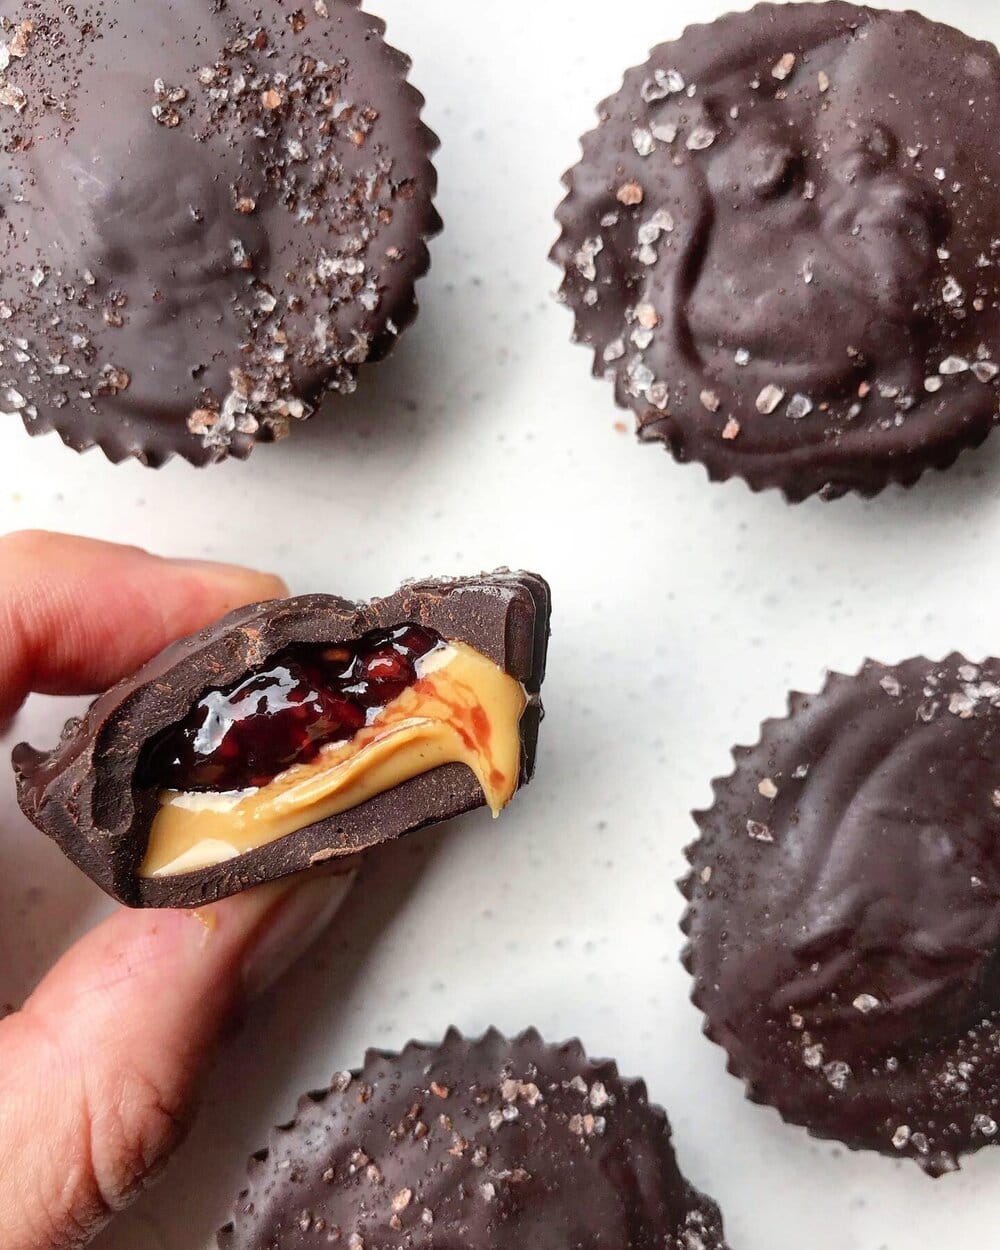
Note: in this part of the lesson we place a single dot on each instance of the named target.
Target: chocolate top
(845, 911)
(213, 214)
(85, 793)
(781, 244)
(488, 1145)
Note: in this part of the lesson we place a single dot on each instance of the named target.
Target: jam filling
(243, 736)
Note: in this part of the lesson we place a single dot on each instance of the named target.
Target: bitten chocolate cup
(295, 733)
(488, 1144)
(781, 246)
(215, 215)
(844, 917)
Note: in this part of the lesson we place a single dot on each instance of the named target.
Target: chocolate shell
(781, 246)
(844, 918)
(83, 794)
(214, 214)
(487, 1145)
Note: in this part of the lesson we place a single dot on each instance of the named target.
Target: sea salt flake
(659, 395)
(985, 370)
(799, 406)
(643, 141)
(985, 1124)
(13, 97)
(838, 1074)
(812, 1056)
(599, 1096)
(891, 686)
(509, 1090)
(630, 194)
(585, 258)
(759, 832)
(769, 399)
(701, 138)
(647, 316)
(767, 788)
(866, 1003)
(710, 401)
(953, 365)
(901, 1136)
(784, 67)
(951, 292)
(664, 82)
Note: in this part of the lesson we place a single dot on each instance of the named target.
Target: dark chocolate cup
(488, 1144)
(83, 793)
(843, 925)
(297, 292)
(685, 388)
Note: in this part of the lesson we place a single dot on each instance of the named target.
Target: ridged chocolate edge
(896, 473)
(689, 884)
(118, 451)
(454, 1041)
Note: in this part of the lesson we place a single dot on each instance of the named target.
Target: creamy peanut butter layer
(463, 709)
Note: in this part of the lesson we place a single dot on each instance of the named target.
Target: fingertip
(76, 615)
(230, 585)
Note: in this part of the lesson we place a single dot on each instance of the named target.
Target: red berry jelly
(309, 694)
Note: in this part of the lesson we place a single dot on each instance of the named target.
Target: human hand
(99, 1069)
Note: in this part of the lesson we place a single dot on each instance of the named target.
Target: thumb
(99, 1070)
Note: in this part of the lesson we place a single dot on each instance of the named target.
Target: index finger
(76, 615)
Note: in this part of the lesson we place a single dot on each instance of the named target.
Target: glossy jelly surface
(244, 735)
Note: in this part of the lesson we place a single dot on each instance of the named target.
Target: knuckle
(120, 1125)
(135, 1123)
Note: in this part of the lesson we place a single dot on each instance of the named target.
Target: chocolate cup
(804, 233)
(490, 1144)
(843, 916)
(258, 199)
(82, 793)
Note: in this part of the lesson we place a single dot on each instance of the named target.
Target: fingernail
(290, 926)
(272, 586)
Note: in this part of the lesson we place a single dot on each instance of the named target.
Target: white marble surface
(683, 613)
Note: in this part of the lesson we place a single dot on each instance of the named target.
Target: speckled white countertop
(683, 613)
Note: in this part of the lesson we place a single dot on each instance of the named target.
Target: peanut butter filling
(463, 709)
